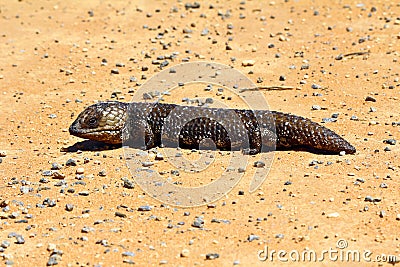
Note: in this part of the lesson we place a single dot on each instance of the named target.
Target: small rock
(5, 244)
(159, 156)
(20, 239)
(198, 223)
(259, 164)
(383, 185)
(333, 215)
(128, 183)
(316, 107)
(382, 213)
(354, 118)
(128, 254)
(145, 208)
(370, 98)
(120, 214)
(316, 86)
(69, 207)
(185, 253)
(248, 62)
(56, 166)
(147, 164)
(51, 247)
(204, 32)
(80, 171)
(58, 175)
(251, 238)
(70, 162)
(212, 256)
(390, 141)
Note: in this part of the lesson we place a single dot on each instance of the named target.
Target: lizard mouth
(104, 135)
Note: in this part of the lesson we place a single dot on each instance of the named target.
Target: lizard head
(103, 122)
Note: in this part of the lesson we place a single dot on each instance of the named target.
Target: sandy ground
(57, 57)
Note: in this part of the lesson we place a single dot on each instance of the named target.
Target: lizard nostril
(72, 129)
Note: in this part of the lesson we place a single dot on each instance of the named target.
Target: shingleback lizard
(161, 124)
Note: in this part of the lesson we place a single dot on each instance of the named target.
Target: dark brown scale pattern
(148, 125)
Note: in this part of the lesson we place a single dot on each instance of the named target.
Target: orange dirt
(51, 69)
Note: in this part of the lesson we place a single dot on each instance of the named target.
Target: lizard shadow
(89, 145)
(307, 149)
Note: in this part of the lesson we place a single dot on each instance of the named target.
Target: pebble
(51, 247)
(259, 164)
(251, 238)
(198, 222)
(248, 62)
(354, 118)
(3, 153)
(185, 253)
(58, 175)
(212, 256)
(372, 199)
(128, 254)
(147, 163)
(370, 98)
(120, 214)
(69, 207)
(71, 162)
(327, 120)
(241, 169)
(84, 193)
(333, 215)
(279, 236)
(145, 208)
(316, 107)
(128, 183)
(316, 86)
(56, 166)
(383, 185)
(19, 239)
(80, 171)
(194, 5)
(5, 244)
(52, 261)
(159, 156)
(47, 173)
(390, 141)
(204, 32)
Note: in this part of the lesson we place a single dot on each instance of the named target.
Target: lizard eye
(92, 121)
